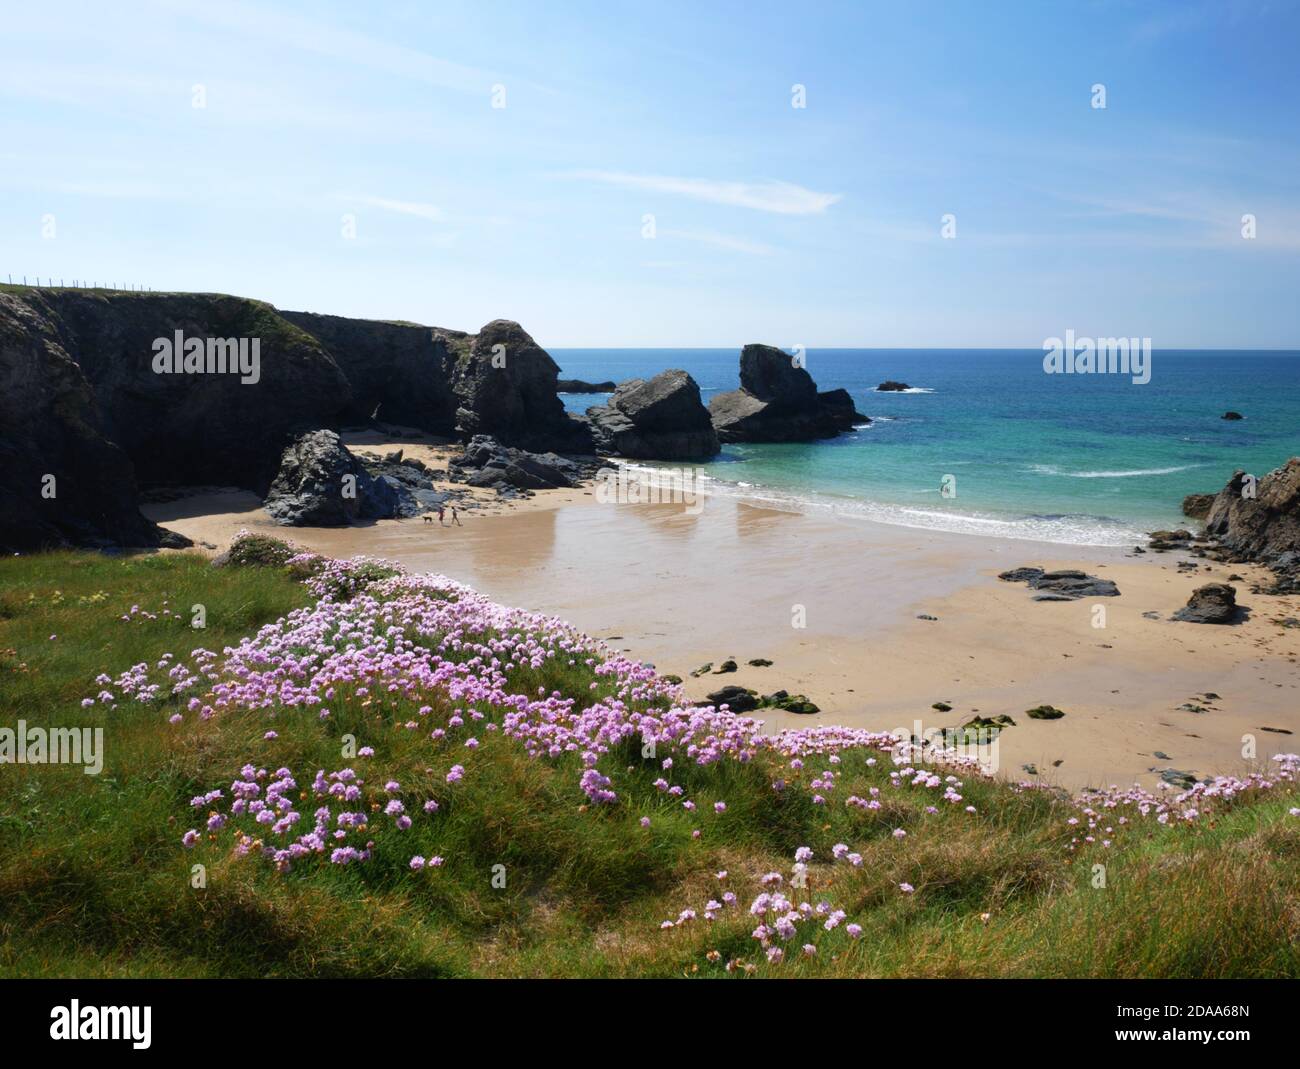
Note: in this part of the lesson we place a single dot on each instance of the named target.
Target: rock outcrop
(1198, 506)
(321, 484)
(1214, 603)
(578, 386)
(779, 402)
(1232, 416)
(1067, 584)
(62, 482)
(1261, 524)
(486, 462)
(890, 386)
(505, 386)
(661, 418)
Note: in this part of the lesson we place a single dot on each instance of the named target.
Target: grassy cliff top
(352, 771)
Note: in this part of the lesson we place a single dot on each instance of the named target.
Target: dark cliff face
(61, 481)
(203, 427)
(395, 369)
(91, 397)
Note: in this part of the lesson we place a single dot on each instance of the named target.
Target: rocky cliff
(61, 481)
(105, 391)
(395, 370)
(1261, 523)
(201, 426)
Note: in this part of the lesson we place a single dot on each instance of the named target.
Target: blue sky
(813, 226)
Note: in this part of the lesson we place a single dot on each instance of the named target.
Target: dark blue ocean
(1085, 459)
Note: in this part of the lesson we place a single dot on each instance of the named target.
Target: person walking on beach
(455, 517)
(440, 511)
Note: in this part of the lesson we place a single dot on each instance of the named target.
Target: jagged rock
(1044, 712)
(1197, 506)
(890, 386)
(703, 669)
(1265, 528)
(1067, 584)
(505, 386)
(1214, 603)
(578, 386)
(655, 419)
(50, 426)
(779, 402)
(486, 462)
(395, 370)
(726, 666)
(312, 488)
(1178, 778)
(1232, 415)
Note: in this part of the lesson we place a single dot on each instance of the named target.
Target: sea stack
(778, 401)
(661, 418)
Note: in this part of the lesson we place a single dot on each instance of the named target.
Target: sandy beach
(678, 587)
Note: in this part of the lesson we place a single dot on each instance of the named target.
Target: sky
(619, 174)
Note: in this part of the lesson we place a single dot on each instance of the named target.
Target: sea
(986, 442)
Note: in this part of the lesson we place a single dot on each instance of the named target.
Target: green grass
(94, 882)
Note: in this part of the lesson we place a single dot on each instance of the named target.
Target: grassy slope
(93, 880)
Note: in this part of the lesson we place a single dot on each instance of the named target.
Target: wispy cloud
(308, 34)
(402, 207)
(782, 198)
(721, 241)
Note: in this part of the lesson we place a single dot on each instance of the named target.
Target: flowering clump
(263, 814)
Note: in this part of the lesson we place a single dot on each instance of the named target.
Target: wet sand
(677, 586)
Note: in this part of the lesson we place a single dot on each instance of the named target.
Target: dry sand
(678, 587)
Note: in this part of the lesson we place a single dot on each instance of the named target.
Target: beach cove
(679, 585)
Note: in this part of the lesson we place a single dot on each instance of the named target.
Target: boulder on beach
(1067, 584)
(738, 699)
(779, 402)
(321, 484)
(1214, 603)
(661, 418)
(486, 462)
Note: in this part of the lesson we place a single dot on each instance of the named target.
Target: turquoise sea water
(1083, 459)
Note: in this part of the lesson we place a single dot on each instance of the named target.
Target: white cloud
(721, 241)
(782, 198)
(401, 207)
